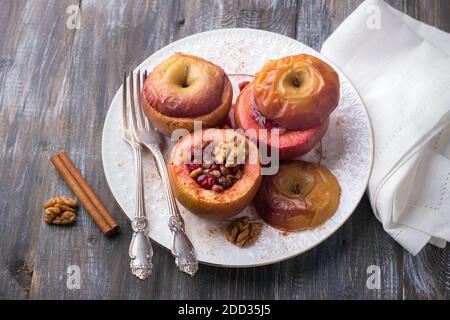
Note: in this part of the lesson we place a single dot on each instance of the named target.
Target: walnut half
(60, 210)
(243, 233)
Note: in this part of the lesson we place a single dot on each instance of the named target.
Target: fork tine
(134, 124)
(140, 114)
(144, 120)
(147, 122)
(124, 102)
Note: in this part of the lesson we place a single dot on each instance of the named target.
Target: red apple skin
(185, 86)
(166, 125)
(292, 144)
(205, 203)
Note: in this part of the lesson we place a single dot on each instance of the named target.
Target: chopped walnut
(243, 233)
(60, 210)
(231, 153)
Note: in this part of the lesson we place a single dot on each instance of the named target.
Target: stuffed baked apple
(215, 173)
(294, 94)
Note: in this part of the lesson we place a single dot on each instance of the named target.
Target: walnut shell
(60, 210)
(243, 233)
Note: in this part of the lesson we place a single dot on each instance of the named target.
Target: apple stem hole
(186, 73)
(296, 82)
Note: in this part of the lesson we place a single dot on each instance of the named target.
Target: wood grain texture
(56, 84)
(33, 55)
(98, 57)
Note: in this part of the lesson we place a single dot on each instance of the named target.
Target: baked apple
(184, 89)
(300, 196)
(290, 144)
(223, 181)
(298, 92)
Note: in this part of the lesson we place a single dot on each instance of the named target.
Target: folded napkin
(401, 69)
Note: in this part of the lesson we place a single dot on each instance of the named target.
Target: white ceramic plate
(347, 150)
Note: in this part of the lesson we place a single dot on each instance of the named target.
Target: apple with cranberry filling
(290, 144)
(294, 95)
(299, 92)
(223, 180)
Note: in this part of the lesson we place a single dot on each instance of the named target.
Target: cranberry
(243, 84)
(207, 181)
(193, 166)
(215, 166)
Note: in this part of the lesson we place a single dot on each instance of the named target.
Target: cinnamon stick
(87, 197)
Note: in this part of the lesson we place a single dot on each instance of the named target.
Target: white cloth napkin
(401, 69)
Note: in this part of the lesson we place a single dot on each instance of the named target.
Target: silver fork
(182, 248)
(140, 251)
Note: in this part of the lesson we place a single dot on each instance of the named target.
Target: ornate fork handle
(140, 251)
(182, 248)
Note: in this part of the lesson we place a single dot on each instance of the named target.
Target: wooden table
(56, 83)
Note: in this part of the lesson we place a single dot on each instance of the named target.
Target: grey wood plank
(220, 14)
(277, 16)
(33, 58)
(427, 275)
